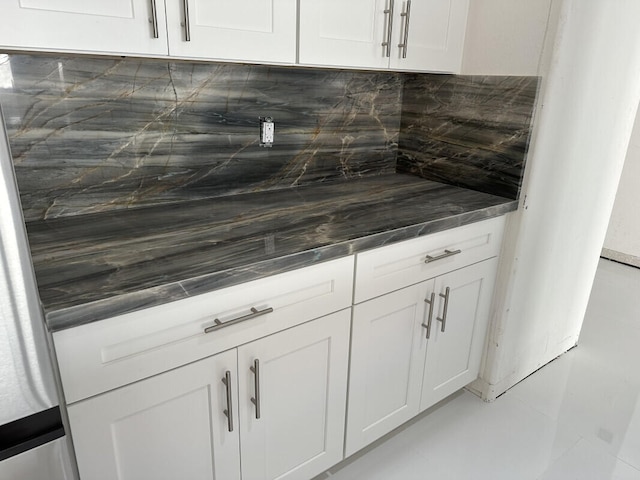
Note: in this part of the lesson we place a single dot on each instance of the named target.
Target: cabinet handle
(154, 18)
(187, 28)
(431, 301)
(444, 311)
(254, 313)
(406, 16)
(229, 411)
(447, 253)
(256, 385)
(389, 14)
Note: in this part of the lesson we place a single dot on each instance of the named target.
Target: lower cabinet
(459, 326)
(413, 347)
(272, 408)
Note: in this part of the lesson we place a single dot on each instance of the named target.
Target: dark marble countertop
(96, 266)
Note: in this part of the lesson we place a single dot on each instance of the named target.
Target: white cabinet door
(242, 30)
(166, 427)
(431, 36)
(114, 26)
(387, 358)
(351, 33)
(355, 33)
(457, 340)
(298, 380)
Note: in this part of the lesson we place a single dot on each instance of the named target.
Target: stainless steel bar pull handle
(389, 14)
(154, 19)
(256, 379)
(229, 410)
(447, 253)
(406, 14)
(187, 27)
(431, 301)
(444, 310)
(256, 384)
(254, 313)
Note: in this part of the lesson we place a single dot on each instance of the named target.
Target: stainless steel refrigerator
(33, 444)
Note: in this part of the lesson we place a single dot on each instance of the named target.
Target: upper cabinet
(425, 35)
(239, 30)
(243, 30)
(412, 35)
(116, 26)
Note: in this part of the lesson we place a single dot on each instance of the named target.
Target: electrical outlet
(267, 131)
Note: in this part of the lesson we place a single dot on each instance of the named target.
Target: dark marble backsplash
(468, 131)
(95, 134)
(90, 135)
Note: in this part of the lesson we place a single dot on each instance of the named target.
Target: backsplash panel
(468, 131)
(100, 134)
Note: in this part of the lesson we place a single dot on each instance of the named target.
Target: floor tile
(588, 462)
(465, 437)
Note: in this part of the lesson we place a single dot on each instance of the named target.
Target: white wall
(505, 37)
(622, 242)
(591, 85)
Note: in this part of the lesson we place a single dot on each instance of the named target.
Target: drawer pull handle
(254, 313)
(154, 18)
(228, 412)
(405, 42)
(389, 13)
(431, 301)
(444, 310)
(256, 385)
(187, 27)
(447, 253)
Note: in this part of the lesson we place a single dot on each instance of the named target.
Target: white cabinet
(424, 340)
(425, 35)
(177, 425)
(162, 428)
(104, 355)
(398, 34)
(457, 336)
(116, 26)
(413, 347)
(387, 362)
(335, 32)
(146, 390)
(301, 383)
(240, 30)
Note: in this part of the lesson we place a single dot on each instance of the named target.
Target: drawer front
(110, 353)
(392, 267)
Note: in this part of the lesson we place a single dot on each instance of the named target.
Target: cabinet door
(298, 378)
(455, 347)
(165, 427)
(351, 33)
(116, 26)
(435, 35)
(243, 30)
(387, 357)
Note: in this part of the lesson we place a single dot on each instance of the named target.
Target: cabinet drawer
(405, 263)
(104, 355)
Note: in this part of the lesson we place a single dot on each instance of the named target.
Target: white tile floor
(576, 418)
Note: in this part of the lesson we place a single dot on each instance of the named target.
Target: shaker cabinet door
(169, 426)
(114, 26)
(346, 33)
(429, 35)
(241, 30)
(293, 388)
(387, 357)
(459, 329)
(420, 35)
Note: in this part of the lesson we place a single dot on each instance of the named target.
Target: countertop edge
(61, 319)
